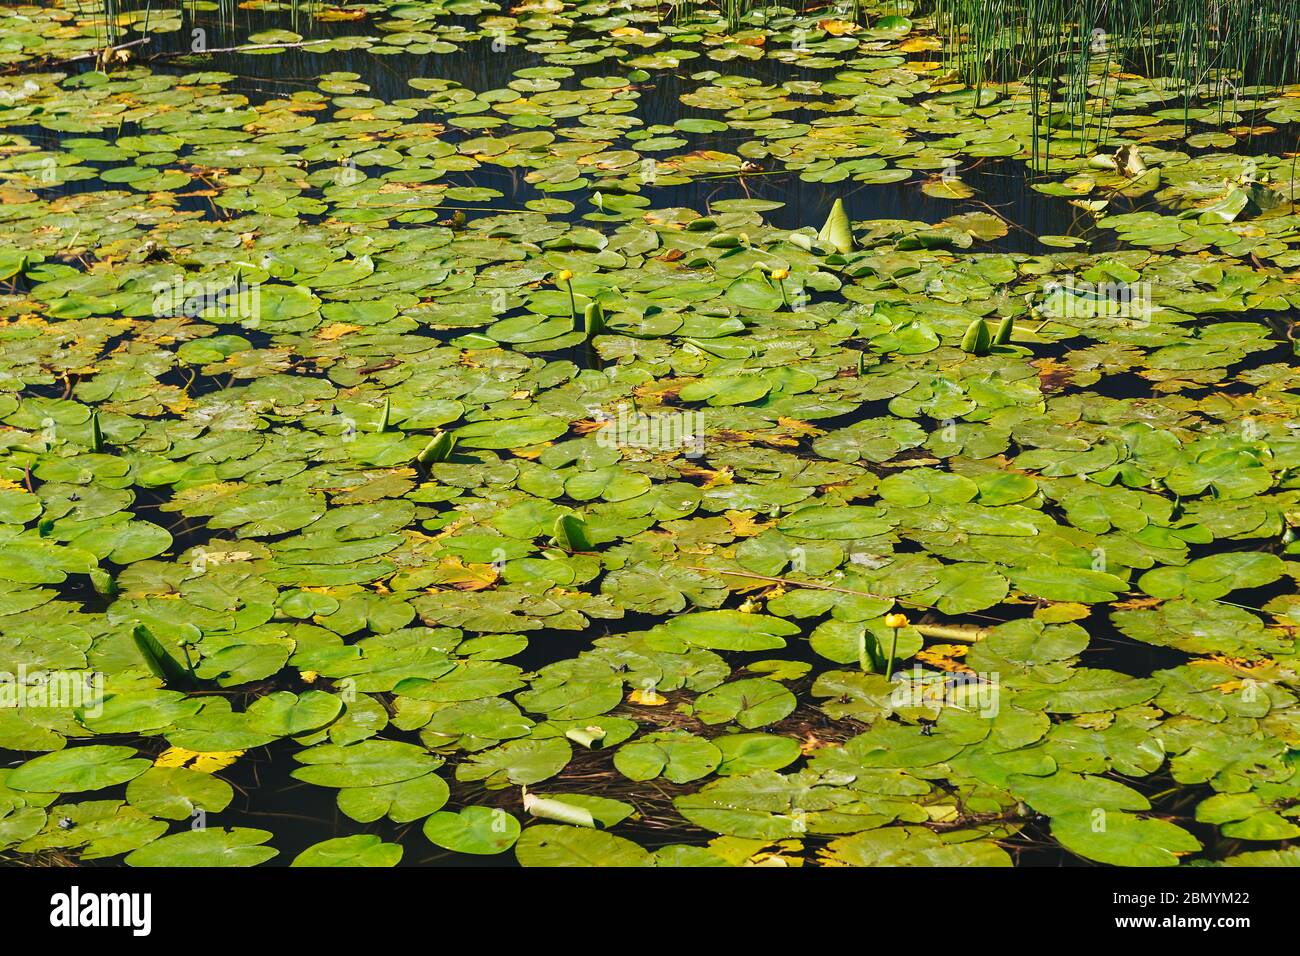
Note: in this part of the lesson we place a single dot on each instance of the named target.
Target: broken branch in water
(100, 54)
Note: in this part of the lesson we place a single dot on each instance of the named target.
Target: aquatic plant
(893, 622)
(593, 320)
(571, 533)
(977, 340)
(96, 433)
(447, 440)
(1215, 49)
(837, 233)
(161, 663)
(439, 449)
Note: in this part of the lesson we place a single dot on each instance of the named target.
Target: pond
(639, 434)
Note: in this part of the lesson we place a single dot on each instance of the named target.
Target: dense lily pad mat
(624, 526)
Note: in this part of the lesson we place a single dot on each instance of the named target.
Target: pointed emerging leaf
(161, 664)
(439, 448)
(837, 233)
(976, 341)
(571, 533)
(103, 582)
(96, 434)
(1005, 328)
(593, 319)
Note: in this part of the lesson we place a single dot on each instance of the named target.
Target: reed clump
(1213, 50)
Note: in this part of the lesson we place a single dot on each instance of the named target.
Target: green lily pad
(215, 847)
(362, 849)
(549, 845)
(92, 767)
(481, 831)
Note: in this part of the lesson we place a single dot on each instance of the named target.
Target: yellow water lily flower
(895, 620)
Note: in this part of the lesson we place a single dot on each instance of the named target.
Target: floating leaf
(362, 849)
(550, 845)
(481, 831)
(237, 846)
(1122, 839)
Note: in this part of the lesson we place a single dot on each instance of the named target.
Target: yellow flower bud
(779, 274)
(895, 620)
(564, 275)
